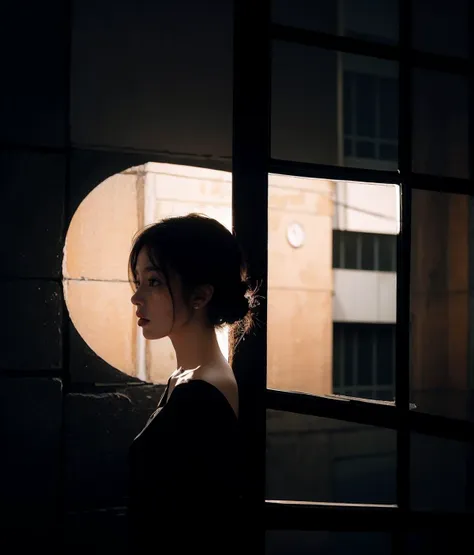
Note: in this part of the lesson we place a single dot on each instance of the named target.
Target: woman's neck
(196, 346)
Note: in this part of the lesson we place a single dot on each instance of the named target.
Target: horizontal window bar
(341, 173)
(370, 412)
(440, 183)
(294, 515)
(137, 156)
(439, 62)
(335, 173)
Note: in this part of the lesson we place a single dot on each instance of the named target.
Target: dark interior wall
(88, 92)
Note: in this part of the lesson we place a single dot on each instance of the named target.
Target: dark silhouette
(190, 279)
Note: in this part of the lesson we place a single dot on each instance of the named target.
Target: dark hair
(202, 252)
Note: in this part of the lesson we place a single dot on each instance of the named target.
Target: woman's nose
(135, 299)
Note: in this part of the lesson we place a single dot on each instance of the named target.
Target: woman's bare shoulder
(221, 377)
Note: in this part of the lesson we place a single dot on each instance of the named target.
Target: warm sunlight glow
(96, 287)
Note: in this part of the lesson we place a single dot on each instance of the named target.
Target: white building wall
(367, 207)
(363, 296)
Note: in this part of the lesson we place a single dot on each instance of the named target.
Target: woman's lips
(143, 322)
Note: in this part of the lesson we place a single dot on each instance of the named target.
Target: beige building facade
(300, 292)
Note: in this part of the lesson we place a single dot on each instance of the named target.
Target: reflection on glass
(441, 27)
(364, 19)
(440, 124)
(370, 105)
(441, 474)
(441, 333)
(297, 542)
(319, 459)
(334, 108)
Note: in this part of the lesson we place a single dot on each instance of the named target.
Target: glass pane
(349, 101)
(440, 124)
(320, 459)
(337, 246)
(428, 542)
(357, 18)
(365, 104)
(442, 473)
(338, 356)
(385, 349)
(387, 108)
(311, 103)
(388, 152)
(387, 253)
(313, 223)
(348, 147)
(349, 349)
(441, 27)
(365, 149)
(365, 356)
(351, 250)
(367, 251)
(297, 542)
(442, 339)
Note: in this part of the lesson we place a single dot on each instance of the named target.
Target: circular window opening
(96, 287)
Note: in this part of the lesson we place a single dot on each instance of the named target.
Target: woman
(190, 279)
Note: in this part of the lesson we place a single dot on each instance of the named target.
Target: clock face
(295, 235)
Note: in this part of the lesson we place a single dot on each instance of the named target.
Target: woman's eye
(154, 282)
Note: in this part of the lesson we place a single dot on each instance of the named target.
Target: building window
(370, 116)
(364, 360)
(353, 250)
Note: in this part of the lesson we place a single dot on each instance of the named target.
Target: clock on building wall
(295, 235)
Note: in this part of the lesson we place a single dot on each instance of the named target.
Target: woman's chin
(151, 334)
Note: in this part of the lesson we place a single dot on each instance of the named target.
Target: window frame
(253, 37)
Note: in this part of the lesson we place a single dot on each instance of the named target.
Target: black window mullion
(470, 457)
(250, 157)
(402, 380)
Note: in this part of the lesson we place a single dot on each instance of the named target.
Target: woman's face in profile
(152, 298)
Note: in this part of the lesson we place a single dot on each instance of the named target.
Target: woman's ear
(201, 296)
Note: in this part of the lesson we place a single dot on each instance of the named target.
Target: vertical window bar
(470, 458)
(402, 381)
(250, 162)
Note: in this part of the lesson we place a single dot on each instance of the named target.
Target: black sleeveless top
(184, 474)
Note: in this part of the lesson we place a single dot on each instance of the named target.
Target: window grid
(351, 136)
(403, 420)
(341, 250)
(346, 346)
